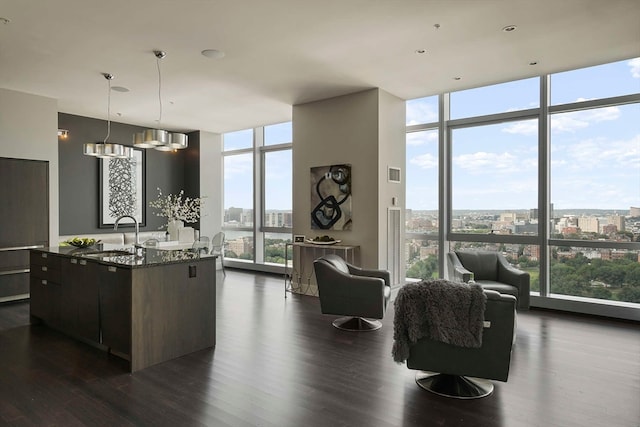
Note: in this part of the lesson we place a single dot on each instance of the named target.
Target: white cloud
(528, 127)
(591, 154)
(425, 161)
(634, 65)
(421, 138)
(483, 159)
(238, 165)
(570, 122)
(421, 112)
(567, 122)
(493, 163)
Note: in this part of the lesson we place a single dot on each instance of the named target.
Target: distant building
(239, 246)
(634, 212)
(533, 251)
(233, 214)
(508, 217)
(408, 215)
(425, 251)
(609, 254)
(589, 224)
(525, 228)
(570, 230)
(618, 221)
(278, 219)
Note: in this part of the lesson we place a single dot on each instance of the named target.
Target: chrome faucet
(135, 221)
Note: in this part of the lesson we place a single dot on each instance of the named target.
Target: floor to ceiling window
(277, 181)
(238, 195)
(545, 170)
(595, 183)
(257, 194)
(422, 212)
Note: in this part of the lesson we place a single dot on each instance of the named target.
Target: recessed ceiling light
(509, 28)
(119, 89)
(420, 51)
(213, 53)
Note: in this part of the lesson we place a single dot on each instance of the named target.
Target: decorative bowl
(323, 242)
(82, 242)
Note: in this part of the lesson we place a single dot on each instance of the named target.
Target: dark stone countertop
(128, 255)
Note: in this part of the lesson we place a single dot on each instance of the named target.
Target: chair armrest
(337, 282)
(515, 277)
(361, 272)
(460, 274)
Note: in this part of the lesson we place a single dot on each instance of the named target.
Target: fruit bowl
(82, 242)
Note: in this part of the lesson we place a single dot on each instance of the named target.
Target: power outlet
(192, 271)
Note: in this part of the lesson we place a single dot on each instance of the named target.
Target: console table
(299, 277)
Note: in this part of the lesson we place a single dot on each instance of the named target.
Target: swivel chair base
(356, 324)
(455, 386)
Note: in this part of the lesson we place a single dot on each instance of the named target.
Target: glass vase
(173, 227)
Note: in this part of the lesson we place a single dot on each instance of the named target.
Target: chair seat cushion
(503, 288)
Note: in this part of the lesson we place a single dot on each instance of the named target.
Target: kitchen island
(142, 304)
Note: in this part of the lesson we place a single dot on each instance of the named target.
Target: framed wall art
(331, 197)
(122, 189)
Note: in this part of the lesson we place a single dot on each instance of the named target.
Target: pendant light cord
(108, 77)
(159, 91)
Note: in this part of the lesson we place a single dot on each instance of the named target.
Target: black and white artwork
(122, 189)
(331, 197)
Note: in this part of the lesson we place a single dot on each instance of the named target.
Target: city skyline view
(590, 165)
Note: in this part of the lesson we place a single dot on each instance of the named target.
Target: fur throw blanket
(441, 310)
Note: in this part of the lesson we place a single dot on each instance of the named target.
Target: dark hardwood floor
(279, 362)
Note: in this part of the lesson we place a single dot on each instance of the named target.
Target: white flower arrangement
(177, 207)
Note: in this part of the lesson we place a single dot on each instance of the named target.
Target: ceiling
(279, 53)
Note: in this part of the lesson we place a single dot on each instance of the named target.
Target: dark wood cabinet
(115, 308)
(173, 311)
(24, 211)
(147, 315)
(80, 294)
(46, 288)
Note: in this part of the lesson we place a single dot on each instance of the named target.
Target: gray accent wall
(79, 178)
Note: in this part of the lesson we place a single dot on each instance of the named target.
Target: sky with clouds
(595, 154)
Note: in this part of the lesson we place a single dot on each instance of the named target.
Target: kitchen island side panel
(173, 310)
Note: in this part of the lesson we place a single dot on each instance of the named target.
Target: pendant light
(107, 149)
(158, 138)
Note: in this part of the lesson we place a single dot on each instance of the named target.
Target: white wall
(29, 130)
(211, 184)
(366, 130)
(391, 152)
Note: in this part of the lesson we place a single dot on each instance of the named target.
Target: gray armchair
(491, 271)
(462, 372)
(346, 290)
